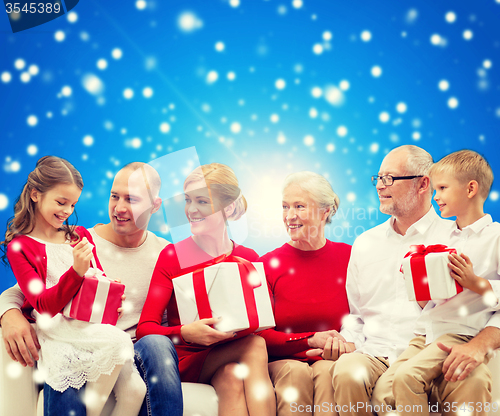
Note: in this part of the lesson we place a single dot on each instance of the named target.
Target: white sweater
(133, 266)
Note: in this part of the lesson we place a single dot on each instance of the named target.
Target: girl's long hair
(50, 171)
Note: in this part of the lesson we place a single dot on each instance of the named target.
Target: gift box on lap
(97, 300)
(427, 275)
(235, 290)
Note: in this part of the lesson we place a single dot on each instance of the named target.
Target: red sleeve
(159, 294)
(282, 344)
(51, 301)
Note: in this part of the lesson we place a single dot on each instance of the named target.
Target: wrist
(485, 342)
(182, 332)
(482, 286)
(78, 271)
(9, 312)
(481, 348)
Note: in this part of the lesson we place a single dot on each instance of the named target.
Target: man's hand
(120, 309)
(201, 333)
(335, 347)
(461, 361)
(318, 340)
(20, 338)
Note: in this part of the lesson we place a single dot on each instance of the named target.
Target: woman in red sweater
(306, 279)
(212, 196)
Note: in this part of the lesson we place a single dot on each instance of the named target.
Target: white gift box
(226, 299)
(427, 276)
(97, 300)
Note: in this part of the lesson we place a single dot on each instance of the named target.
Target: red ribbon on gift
(244, 268)
(417, 255)
(81, 306)
(82, 302)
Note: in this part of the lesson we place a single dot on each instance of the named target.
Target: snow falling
(258, 97)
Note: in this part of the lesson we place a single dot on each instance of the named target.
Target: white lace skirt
(74, 352)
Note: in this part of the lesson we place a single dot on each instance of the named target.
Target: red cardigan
(161, 295)
(308, 295)
(28, 260)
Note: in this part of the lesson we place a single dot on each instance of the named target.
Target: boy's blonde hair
(466, 166)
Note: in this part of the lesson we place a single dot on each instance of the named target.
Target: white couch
(19, 395)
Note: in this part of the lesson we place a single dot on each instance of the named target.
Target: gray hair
(419, 161)
(319, 188)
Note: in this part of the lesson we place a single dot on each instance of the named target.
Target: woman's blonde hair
(49, 172)
(223, 184)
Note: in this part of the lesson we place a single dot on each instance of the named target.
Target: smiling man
(132, 201)
(128, 252)
(382, 319)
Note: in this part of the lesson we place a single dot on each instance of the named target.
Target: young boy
(462, 181)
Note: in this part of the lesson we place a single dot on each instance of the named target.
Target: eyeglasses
(388, 180)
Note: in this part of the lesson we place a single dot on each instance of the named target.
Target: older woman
(206, 355)
(306, 278)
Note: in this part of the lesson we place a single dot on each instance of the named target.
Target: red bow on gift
(423, 250)
(245, 268)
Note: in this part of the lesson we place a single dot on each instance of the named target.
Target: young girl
(49, 259)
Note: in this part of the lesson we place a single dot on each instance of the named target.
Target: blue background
(64, 92)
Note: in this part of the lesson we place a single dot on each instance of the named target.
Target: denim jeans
(158, 365)
(67, 403)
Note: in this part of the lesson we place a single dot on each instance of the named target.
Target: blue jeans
(158, 365)
(67, 403)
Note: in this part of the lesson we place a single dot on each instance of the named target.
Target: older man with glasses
(381, 320)
(388, 180)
